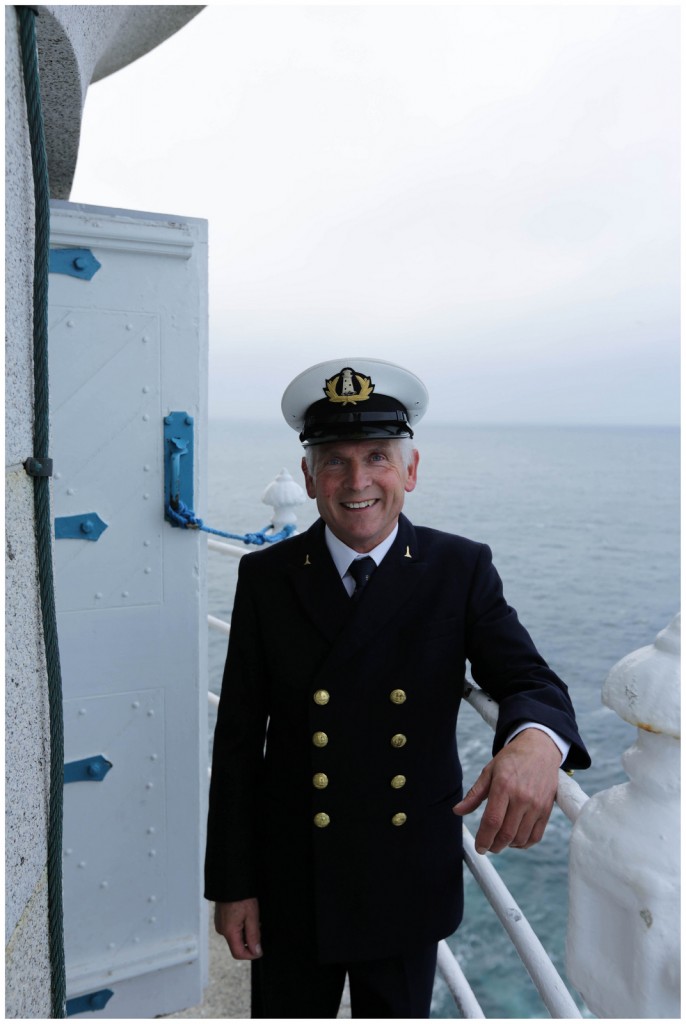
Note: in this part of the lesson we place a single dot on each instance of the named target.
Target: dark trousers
(287, 985)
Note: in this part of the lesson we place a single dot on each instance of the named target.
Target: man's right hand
(239, 923)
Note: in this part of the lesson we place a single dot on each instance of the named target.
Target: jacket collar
(342, 555)
(350, 626)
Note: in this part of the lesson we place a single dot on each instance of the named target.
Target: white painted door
(127, 348)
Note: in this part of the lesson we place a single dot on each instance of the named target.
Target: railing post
(284, 494)
(623, 932)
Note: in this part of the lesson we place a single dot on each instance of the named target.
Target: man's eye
(377, 457)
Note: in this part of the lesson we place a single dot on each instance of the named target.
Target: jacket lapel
(317, 584)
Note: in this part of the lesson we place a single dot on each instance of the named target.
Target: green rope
(41, 437)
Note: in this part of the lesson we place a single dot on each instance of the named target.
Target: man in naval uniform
(334, 834)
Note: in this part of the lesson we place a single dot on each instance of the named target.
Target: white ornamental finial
(623, 952)
(644, 689)
(283, 494)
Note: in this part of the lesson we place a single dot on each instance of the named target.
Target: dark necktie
(361, 569)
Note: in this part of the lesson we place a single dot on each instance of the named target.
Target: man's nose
(357, 476)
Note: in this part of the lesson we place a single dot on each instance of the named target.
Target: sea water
(583, 523)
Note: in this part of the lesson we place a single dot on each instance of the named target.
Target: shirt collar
(343, 555)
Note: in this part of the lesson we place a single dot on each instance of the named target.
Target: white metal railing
(570, 798)
(218, 624)
(532, 953)
(232, 550)
(458, 986)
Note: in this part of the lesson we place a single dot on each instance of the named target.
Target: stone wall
(27, 981)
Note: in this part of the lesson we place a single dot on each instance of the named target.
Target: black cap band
(322, 423)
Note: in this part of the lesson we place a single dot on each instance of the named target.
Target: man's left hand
(520, 785)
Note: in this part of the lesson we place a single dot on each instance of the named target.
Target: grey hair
(406, 446)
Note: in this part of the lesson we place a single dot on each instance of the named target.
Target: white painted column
(623, 934)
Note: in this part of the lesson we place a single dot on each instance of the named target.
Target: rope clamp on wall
(38, 467)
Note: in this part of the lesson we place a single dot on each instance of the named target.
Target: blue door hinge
(89, 769)
(93, 1001)
(87, 526)
(73, 262)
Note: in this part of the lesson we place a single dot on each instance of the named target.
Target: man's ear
(309, 480)
(411, 481)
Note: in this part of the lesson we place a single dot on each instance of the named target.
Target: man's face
(360, 488)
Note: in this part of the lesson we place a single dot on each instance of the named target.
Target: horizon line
(547, 425)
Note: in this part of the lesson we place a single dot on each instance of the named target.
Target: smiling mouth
(360, 504)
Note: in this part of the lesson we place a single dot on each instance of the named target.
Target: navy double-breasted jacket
(341, 823)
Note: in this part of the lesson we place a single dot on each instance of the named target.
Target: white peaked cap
(354, 398)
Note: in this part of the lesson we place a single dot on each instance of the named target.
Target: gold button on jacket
(399, 819)
(398, 696)
(398, 781)
(322, 697)
(320, 739)
(322, 819)
(320, 780)
(398, 740)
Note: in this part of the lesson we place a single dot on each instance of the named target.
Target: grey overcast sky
(485, 194)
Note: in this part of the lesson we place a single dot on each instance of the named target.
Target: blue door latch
(87, 526)
(89, 769)
(178, 461)
(92, 1001)
(73, 262)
